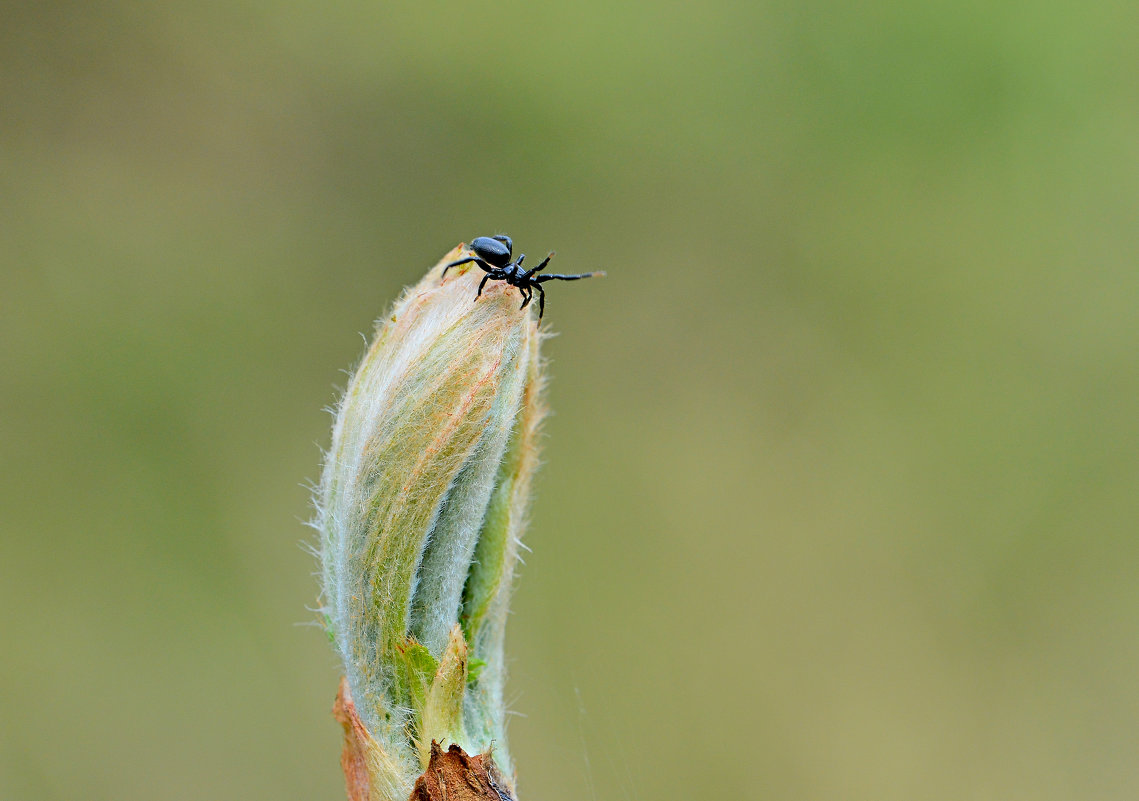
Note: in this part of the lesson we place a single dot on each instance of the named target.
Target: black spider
(492, 254)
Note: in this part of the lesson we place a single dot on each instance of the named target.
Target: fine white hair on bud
(420, 509)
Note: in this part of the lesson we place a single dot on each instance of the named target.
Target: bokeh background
(841, 491)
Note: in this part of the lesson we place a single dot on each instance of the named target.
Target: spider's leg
(553, 276)
(541, 301)
(482, 283)
(527, 294)
(456, 264)
(475, 259)
(541, 266)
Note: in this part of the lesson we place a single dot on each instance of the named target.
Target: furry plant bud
(420, 508)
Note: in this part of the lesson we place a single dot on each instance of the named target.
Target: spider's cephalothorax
(492, 254)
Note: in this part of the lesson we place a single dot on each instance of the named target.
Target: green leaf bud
(420, 508)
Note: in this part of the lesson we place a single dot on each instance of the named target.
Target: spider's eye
(491, 251)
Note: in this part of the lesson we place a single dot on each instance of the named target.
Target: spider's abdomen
(493, 252)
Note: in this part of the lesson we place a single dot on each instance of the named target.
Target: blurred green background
(840, 495)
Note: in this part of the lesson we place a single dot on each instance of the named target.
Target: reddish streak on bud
(353, 759)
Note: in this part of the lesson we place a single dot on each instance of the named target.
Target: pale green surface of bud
(420, 508)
